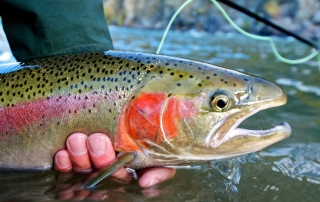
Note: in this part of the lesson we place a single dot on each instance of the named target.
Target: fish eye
(220, 102)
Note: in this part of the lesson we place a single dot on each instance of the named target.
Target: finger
(77, 148)
(102, 154)
(62, 161)
(100, 150)
(154, 176)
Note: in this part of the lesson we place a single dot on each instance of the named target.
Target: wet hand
(86, 153)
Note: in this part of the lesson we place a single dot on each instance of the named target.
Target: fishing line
(261, 38)
(170, 23)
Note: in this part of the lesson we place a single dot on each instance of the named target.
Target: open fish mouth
(269, 136)
(282, 131)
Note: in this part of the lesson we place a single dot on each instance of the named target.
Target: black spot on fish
(208, 77)
(214, 74)
(199, 84)
(234, 84)
(245, 79)
(172, 73)
(178, 84)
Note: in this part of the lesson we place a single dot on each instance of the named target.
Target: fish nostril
(250, 89)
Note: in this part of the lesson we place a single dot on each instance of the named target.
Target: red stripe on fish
(15, 118)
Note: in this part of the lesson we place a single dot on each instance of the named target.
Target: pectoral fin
(101, 174)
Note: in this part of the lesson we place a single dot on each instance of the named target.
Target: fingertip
(155, 176)
(76, 143)
(62, 161)
(78, 153)
(100, 150)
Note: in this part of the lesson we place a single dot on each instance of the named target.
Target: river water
(286, 171)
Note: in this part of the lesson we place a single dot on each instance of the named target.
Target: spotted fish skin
(43, 103)
(157, 106)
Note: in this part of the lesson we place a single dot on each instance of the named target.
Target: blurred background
(299, 16)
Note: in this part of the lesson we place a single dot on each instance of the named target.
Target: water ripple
(299, 85)
(299, 161)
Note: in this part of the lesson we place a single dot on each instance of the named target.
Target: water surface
(286, 171)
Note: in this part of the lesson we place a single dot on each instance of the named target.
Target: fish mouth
(279, 132)
(257, 139)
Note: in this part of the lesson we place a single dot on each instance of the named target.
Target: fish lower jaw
(267, 137)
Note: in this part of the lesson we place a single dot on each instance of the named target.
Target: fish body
(168, 110)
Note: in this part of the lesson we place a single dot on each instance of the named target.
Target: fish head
(191, 114)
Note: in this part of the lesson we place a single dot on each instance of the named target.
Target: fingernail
(77, 145)
(154, 181)
(97, 145)
(63, 161)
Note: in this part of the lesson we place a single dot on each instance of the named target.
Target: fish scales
(53, 97)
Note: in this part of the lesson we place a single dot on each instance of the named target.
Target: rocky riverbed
(299, 16)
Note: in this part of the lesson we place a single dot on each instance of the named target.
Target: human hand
(86, 153)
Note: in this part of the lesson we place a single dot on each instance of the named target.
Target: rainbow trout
(164, 110)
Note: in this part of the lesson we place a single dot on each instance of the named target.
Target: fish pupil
(222, 103)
